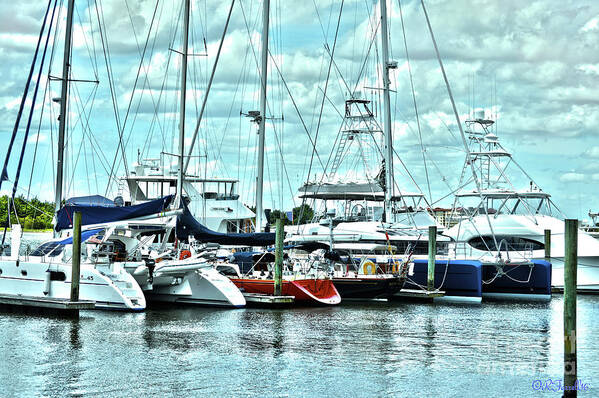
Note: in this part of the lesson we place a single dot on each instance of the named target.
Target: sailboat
(46, 271)
(365, 218)
(316, 290)
(174, 275)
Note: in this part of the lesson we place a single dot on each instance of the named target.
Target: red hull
(318, 291)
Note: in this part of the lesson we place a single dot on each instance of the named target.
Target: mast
(64, 95)
(262, 120)
(388, 134)
(180, 174)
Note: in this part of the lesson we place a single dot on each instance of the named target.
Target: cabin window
(23, 272)
(512, 243)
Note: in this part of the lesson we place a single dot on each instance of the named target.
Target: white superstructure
(213, 201)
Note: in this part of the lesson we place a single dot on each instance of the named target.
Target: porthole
(23, 272)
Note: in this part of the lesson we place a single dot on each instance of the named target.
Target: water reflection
(74, 335)
(429, 341)
(297, 352)
(59, 364)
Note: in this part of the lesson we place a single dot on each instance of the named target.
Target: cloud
(592, 152)
(535, 63)
(572, 177)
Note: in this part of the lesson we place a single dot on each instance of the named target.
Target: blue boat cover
(97, 214)
(94, 200)
(187, 226)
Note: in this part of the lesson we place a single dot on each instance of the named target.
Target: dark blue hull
(522, 281)
(470, 280)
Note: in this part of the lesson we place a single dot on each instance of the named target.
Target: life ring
(368, 268)
(184, 254)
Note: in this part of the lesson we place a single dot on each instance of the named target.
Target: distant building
(447, 217)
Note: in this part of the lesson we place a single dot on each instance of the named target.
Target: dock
(266, 300)
(46, 304)
(417, 294)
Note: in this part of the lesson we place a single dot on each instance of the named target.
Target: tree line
(33, 213)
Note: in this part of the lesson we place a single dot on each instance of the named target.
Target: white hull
(109, 290)
(587, 275)
(189, 282)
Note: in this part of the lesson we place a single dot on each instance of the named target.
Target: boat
(592, 227)
(359, 271)
(357, 211)
(505, 224)
(252, 272)
(125, 235)
(193, 281)
(177, 274)
(46, 273)
(358, 198)
(305, 291)
(213, 201)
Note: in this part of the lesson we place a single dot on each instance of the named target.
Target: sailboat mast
(184, 50)
(64, 95)
(388, 152)
(262, 121)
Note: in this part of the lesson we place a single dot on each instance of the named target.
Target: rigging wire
(323, 100)
(33, 100)
(4, 172)
(430, 195)
(121, 130)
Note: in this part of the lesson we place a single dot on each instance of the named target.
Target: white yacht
(46, 271)
(501, 220)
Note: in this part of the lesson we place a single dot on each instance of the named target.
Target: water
(378, 349)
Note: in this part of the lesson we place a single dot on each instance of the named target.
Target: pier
(51, 304)
(266, 300)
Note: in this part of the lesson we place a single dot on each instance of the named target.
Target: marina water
(374, 349)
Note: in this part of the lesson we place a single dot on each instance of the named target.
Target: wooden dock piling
(76, 263)
(570, 337)
(548, 245)
(432, 254)
(280, 236)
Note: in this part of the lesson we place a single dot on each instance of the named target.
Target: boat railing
(463, 249)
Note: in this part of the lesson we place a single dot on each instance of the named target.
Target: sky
(533, 66)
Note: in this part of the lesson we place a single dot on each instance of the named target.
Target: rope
(106, 52)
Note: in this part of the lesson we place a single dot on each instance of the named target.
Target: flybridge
(351, 191)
